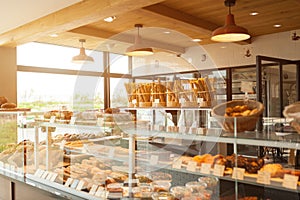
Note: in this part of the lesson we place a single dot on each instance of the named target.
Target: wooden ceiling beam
(184, 19)
(126, 38)
(74, 16)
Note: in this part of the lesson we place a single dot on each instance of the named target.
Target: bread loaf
(3, 100)
(8, 105)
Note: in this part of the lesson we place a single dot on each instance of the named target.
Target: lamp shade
(138, 48)
(230, 32)
(82, 57)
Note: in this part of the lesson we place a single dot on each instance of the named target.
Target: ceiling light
(253, 13)
(196, 40)
(110, 19)
(167, 32)
(138, 48)
(82, 57)
(230, 32)
(277, 25)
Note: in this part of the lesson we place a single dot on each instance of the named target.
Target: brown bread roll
(8, 105)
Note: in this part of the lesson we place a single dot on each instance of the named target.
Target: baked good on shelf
(3, 100)
(275, 169)
(8, 105)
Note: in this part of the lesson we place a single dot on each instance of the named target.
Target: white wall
(8, 73)
(220, 55)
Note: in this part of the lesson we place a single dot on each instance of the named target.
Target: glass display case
(119, 156)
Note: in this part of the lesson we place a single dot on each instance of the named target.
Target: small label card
(111, 152)
(156, 100)
(62, 144)
(93, 189)
(177, 164)
(133, 101)
(74, 184)
(54, 176)
(263, 177)
(68, 182)
(38, 173)
(100, 192)
(205, 168)
(49, 176)
(290, 181)
(45, 174)
(80, 185)
(191, 166)
(52, 119)
(73, 120)
(219, 170)
(238, 173)
(199, 100)
(154, 159)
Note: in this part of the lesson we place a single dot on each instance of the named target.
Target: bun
(3, 100)
(8, 105)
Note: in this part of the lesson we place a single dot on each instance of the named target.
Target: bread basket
(292, 111)
(243, 123)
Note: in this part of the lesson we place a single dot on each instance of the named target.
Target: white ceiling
(14, 13)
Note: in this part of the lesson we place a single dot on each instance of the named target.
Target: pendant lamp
(138, 48)
(230, 32)
(82, 57)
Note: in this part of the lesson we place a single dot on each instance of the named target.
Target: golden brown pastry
(8, 105)
(3, 100)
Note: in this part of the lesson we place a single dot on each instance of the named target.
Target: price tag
(238, 173)
(38, 173)
(199, 100)
(191, 166)
(1, 164)
(156, 100)
(177, 164)
(133, 101)
(49, 176)
(154, 160)
(93, 189)
(68, 182)
(219, 170)
(100, 192)
(54, 176)
(80, 185)
(111, 152)
(181, 100)
(45, 174)
(205, 168)
(74, 184)
(290, 181)
(263, 177)
(73, 120)
(52, 119)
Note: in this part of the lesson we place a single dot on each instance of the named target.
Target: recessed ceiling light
(277, 25)
(53, 35)
(223, 47)
(196, 40)
(253, 13)
(110, 19)
(167, 32)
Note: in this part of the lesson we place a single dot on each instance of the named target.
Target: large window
(47, 79)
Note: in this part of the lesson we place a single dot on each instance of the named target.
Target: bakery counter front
(84, 161)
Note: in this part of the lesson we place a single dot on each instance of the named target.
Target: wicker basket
(244, 123)
(292, 111)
